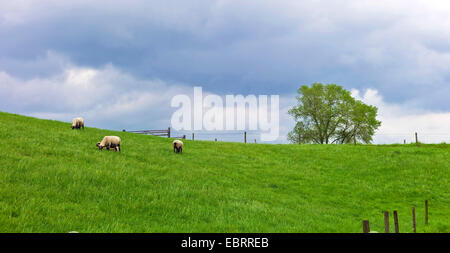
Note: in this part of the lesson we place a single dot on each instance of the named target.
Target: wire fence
(249, 136)
(227, 136)
(407, 138)
(255, 136)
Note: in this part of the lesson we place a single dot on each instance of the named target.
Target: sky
(119, 63)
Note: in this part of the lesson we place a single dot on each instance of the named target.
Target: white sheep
(110, 142)
(77, 123)
(177, 146)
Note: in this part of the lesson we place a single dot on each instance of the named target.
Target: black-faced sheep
(77, 123)
(177, 146)
(110, 142)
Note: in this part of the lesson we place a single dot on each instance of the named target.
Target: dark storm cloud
(235, 46)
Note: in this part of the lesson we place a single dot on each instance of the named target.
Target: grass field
(54, 179)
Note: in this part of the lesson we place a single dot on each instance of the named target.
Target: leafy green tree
(358, 123)
(329, 114)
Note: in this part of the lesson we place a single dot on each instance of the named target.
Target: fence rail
(161, 133)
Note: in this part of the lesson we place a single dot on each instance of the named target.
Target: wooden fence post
(245, 137)
(426, 212)
(255, 140)
(168, 132)
(417, 141)
(386, 221)
(192, 136)
(396, 222)
(404, 141)
(215, 139)
(184, 137)
(414, 218)
(366, 227)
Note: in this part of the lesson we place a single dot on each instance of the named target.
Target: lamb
(114, 148)
(110, 142)
(77, 123)
(177, 146)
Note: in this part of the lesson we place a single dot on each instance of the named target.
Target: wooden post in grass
(417, 141)
(215, 139)
(414, 218)
(192, 136)
(396, 222)
(404, 141)
(255, 140)
(386, 221)
(426, 212)
(184, 137)
(168, 132)
(245, 137)
(366, 227)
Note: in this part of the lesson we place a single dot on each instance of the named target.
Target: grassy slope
(53, 179)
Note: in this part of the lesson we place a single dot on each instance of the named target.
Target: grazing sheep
(77, 123)
(177, 146)
(110, 142)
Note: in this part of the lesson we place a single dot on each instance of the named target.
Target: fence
(411, 138)
(366, 225)
(227, 136)
(156, 133)
(252, 136)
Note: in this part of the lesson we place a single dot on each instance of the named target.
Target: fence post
(386, 221)
(215, 139)
(255, 140)
(192, 136)
(426, 212)
(404, 141)
(245, 137)
(168, 132)
(414, 218)
(417, 141)
(396, 222)
(184, 137)
(366, 227)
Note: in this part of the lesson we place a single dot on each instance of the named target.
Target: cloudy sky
(126, 59)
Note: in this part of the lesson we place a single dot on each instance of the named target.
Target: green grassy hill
(54, 179)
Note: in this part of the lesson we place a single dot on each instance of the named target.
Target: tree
(329, 114)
